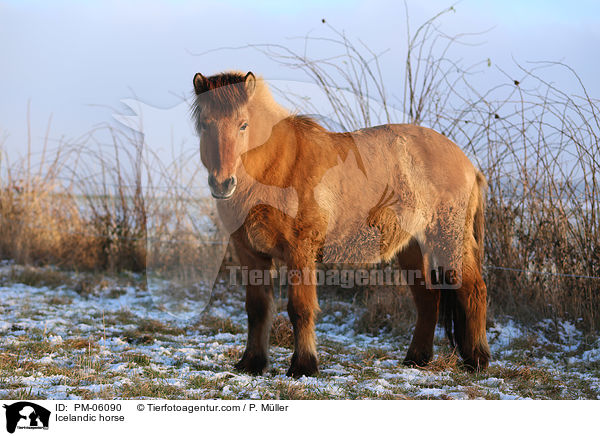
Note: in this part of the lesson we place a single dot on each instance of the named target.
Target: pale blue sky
(76, 59)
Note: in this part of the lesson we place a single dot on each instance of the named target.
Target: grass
(444, 372)
(282, 334)
(120, 317)
(22, 394)
(542, 361)
(140, 388)
(206, 383)
(216, 325)
(137, 358)
(37, 277)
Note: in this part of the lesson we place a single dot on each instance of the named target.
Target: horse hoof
(254, 365)
(415, 360)
(479, 362)
(307, 366)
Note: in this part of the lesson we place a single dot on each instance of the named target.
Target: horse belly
(371, 236)
(370, 201)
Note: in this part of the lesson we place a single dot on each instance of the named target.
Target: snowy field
(69, 336)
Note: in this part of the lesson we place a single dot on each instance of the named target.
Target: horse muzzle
(222, 190)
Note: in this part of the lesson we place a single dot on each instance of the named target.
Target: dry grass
(36, 277)
(39, 225)
(104, 207)
(387, 309)
(215, 325)
(139, 388)
(444, 362)
(282, 334)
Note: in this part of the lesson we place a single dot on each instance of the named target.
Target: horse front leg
(302, 309)
(259, 307)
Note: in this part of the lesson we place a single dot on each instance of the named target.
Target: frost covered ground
(68, 336)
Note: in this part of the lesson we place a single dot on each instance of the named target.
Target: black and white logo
(26, 415)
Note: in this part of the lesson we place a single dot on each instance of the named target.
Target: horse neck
(264, 113)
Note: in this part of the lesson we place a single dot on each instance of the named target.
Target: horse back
(392, 183)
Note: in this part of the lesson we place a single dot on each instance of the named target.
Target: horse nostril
(212, 181)
(230, 183)
(222, 189)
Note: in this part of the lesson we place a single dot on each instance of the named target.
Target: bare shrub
(536, 144)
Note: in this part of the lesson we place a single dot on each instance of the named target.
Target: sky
(76, 61)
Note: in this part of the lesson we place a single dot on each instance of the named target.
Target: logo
(26, 415)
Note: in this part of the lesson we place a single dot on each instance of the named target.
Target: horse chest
(275, 233)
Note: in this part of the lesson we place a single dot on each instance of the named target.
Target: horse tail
(479, 216)
(449, 314)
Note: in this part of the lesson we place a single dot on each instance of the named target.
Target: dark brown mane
(220, 95)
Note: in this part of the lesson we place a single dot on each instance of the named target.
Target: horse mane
(305, 122)
(223, 93)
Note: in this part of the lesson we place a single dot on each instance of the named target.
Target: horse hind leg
(465, 312)
(420, 350)
(426, 301)
(465, 309)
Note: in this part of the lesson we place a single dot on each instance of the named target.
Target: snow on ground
(115, 342)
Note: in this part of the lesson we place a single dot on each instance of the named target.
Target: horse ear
(250, 80)
(200, 83)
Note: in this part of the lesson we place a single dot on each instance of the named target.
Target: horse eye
(202, 126)
(244, 126)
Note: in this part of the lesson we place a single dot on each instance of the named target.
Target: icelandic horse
(288, 189)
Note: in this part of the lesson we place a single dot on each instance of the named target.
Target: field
(85, 336)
